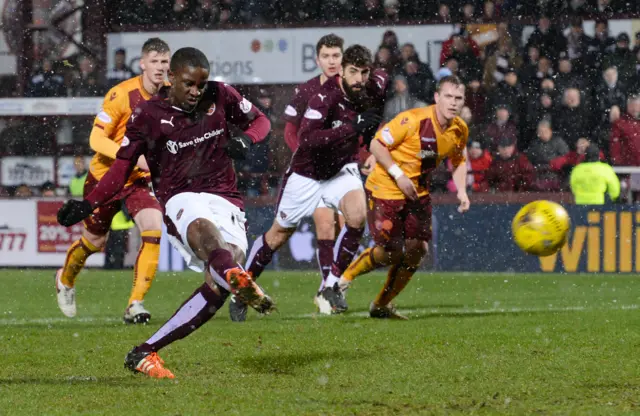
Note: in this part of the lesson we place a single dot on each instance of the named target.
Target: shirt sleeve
(114, 106)
(457, 155)
(242, 113)
(314, 133)
(397, 130)
(134, 144)
(294, 111)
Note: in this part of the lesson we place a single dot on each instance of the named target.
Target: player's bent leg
(265, 246)
(325, 220)
(369, 260)
(149, 222)
(65, 277)
(399, 276)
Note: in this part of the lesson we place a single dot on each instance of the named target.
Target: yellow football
(541, 228)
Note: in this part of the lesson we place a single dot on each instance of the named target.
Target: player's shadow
(286, 363)
(480, 314)
(71, 380)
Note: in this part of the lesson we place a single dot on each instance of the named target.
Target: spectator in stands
(447, 45)
(573, 157)
(510, 170)
(478, 163)
(48, 190)
(150, 12)
(501, 128)
(419, 79)
(624, 145)
(76, 185)
(45, 82)
(206, 14)
(578, 8)
(488, 12)
(541, 152)
(120, 70)
(574, 119)
(542, 106)
(469, 12)
(475, 132)
(385, 60)
(635, 80)
(566, 77)
(469, 67)
(548, 38)
(23, 191)
(609, 93)
(183, 11)
(533, 55)
(444, 13)
(402, 99)
(636, 47)
(622, 58)
(390, 39)
(604, 9)
(577, 45)
(370, 10)
(532, 77)
(505, 58)
(392, 10)
(509, 91)
(85, 82)
(475, 100)
(601, 45)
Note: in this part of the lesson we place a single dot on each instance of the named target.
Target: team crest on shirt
(283, 215)
(172, 147)
(113, 96)
(404, 121)
(245, 105)
(211, 109)
(125, 142)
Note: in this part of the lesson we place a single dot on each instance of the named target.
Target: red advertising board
(53, 237)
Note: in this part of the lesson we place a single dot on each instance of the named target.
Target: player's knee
(148, 220)
(203, 237)
(326, 230)
(394, 256)
(97, 241)
(415, 252)
(278, 235)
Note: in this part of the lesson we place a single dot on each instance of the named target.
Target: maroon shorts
(136, 197)
(393, 221)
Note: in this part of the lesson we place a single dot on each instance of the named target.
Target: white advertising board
(31, 237)
(33, 171)
(277, 56)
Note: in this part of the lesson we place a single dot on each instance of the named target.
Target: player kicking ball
(184, 134)
(324, 168)
(106, 136)
(407, 150)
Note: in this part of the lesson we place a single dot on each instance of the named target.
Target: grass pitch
(480, 344)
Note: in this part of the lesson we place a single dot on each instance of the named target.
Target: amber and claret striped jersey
(116, 110)
(417, 145)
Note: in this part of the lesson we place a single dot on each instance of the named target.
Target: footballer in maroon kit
(324, 168)
(183, 132)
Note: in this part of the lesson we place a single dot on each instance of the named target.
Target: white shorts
(187, 207)
(301, 195)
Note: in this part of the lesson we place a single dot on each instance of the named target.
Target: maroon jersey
(303, 93)
(185, 150)
(327, 138)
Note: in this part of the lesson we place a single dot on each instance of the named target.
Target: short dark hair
(188, 57)
(330, 41)
(358, 56)
(155, 45)
(449, 79)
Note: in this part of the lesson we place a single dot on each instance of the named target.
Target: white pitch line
(363, 314)
(57, 320)
(470, 311)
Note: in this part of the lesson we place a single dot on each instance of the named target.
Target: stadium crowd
(532, 109)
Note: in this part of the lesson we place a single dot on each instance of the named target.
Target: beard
(358, 97)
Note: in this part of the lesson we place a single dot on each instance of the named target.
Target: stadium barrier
(602, 239)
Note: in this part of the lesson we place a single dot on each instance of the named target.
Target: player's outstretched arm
(383, 157)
